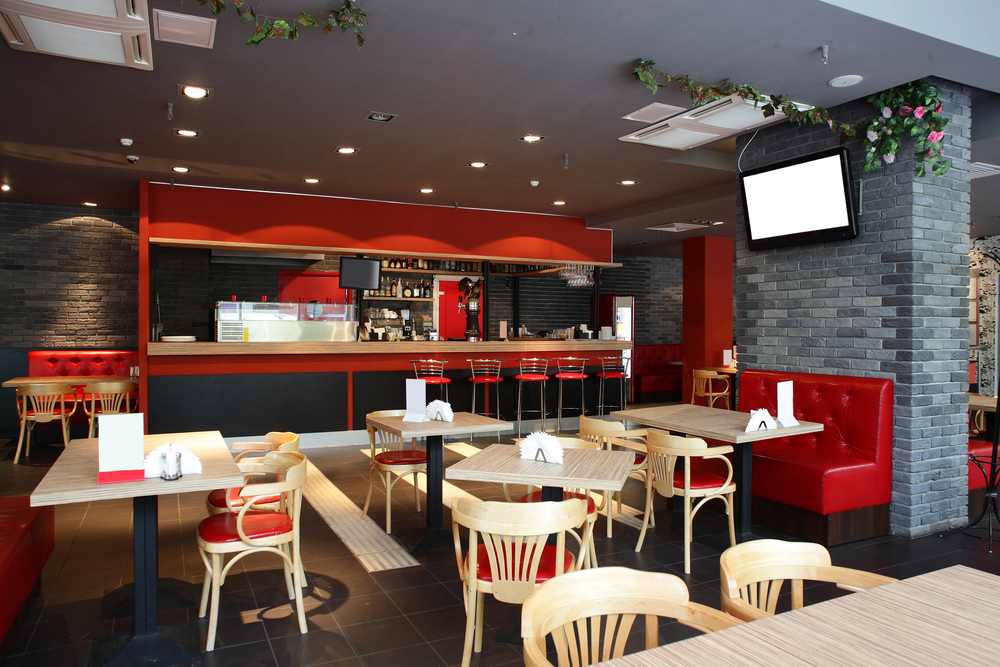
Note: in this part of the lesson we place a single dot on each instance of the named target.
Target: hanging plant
(348, 17)
(913, 109)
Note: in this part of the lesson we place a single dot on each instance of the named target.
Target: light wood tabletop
(74, 380)
(729, 370)
(947, 617)
(73, 477)
(704, 422)
(465, 422)
(581, 468)
(984, 403)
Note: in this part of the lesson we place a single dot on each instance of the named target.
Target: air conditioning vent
(82, 43)
(982, 170)
(105, 8)
(183, 29)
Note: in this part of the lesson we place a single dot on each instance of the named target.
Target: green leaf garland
(348, 17)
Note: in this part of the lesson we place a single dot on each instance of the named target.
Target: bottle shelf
(395, 298)
(433, 272)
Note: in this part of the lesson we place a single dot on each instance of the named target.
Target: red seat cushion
(536, 497)
(982, 449)
(486, 379)
(700, 479)
(572, 376)
(546, 567)
(639, 459)
(402, 457)
(256, 525)
(612, 375)
(436, 380)
(217, 498)
(532, 377)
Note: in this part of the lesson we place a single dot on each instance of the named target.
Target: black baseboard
(826, 529)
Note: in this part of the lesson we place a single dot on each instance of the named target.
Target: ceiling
(467, 80)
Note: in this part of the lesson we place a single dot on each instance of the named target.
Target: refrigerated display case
(618, 312)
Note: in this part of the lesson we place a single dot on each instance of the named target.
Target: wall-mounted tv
(805, 200)
(360, 273)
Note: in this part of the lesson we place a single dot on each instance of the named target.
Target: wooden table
(976, 402)
(718, 424)
(948, 617)
(433, 431)
(75, 380)
(73, 479)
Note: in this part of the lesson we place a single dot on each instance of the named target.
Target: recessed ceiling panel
(104, 8)
(73, 42)
(679, 138)
(183, 29)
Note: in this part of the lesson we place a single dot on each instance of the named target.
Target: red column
(708, 304)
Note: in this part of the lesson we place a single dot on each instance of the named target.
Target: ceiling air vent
(183, 29)
(653, 112)
(982, 170)
(702, 125)
(115, 32)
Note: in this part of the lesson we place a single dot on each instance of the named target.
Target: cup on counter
(606, 333)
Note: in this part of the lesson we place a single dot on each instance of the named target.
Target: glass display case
(251, 321)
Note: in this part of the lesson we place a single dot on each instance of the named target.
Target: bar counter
(426, 347)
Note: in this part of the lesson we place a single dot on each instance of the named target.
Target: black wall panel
(248, 404)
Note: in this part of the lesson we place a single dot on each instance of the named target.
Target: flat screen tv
(805, 200)
(359, 273)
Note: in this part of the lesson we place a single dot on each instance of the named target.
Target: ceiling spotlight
(844, 81)
(627, 182)
(187, 133)
(558, 203)
(381, 117)
(194, 92)
(89, 203)
(477, 165)
(532, 138)
(715, 222)
(427, 191)
(346, 150)
(181, 170)
(126, 141)
(5, 187)
(310, 180)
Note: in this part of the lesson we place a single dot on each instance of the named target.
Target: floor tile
(384, 635)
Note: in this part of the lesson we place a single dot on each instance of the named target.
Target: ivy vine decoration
(647, 72)
(348, 17)
(912, 109)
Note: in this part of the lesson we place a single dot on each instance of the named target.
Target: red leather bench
(829, 487)
(72, 363)
(652, 373)
(27, 536)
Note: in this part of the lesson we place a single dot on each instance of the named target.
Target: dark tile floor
(410, 617)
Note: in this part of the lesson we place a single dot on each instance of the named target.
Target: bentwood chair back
(508, 555)
(41, 404)
(392, 458)
(107, 398)
(753, 573)
(611, 434)
(252, 531)
(705, 387)
(590, 614)
(694, 485)
(247, 454)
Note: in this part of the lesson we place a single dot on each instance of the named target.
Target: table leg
(743, 474)
(434, 536)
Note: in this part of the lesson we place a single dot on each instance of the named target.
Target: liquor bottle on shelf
(392, 289)
(429, 290)
(385, 263)
(407, 292)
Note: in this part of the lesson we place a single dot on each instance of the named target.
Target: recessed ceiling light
(845, 81)
(181, 170)
(187, 133)
(558, 203)
(381, 117)
(427, 191)
(532, 138)
(346, 150)
(5, 187)
(89, 203)
(715, 222)
(478, 165)
(194, 92)
(310, 180)
(627, 182)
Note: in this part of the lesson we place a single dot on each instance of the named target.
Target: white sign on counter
(416, 401)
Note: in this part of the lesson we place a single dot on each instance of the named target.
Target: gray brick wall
(657, 283)
(890, 303)
(68, 277)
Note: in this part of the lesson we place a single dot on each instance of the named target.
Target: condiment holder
(170, 466)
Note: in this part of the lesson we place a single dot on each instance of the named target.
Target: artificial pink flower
(919, 112)
(941, 152)
(872, 135)
(935, 136)
(903, 110)
(929, 154)
(886, 112)
(889, 158)
(937, 109)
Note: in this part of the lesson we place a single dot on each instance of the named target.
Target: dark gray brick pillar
(891, 303)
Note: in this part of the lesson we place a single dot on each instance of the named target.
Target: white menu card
(786, 415)
(120, 449)
(416, 401)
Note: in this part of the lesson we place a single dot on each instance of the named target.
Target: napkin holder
(542, 446)
(170, 462)
(760, 420)
(440, 411)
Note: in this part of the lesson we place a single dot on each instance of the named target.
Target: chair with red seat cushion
(391, 460)
(431, 371)
(611, 434)
(251, 531)
(570, 368)
(614, 368)
(248, 455)
(531, 370)
(41, 404)
(108, 398)
(692, 484)
(508, 555)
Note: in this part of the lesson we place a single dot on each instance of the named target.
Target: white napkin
(440, 411)
(759, 417)
(547, 444)
(190, 463)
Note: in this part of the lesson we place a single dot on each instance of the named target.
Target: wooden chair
(508, 555)
(695, 487)
(611, 434)
(251, 531)
(753, 573)
(535, 495)
(590, 614)
(230, 500)
(41, 404)
(704, 387)
(107, 398)
(390, 460)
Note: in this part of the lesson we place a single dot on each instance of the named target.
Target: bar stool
(485, 372)
(570, 368)
(431, 371)
(613, 368)
(532, 370)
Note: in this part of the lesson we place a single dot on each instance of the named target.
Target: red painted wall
(708, 304)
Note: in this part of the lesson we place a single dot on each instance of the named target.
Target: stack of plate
(177, 339)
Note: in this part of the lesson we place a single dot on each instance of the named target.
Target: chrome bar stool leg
(559, 410)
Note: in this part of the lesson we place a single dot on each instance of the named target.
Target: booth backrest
(652, 360)
(856, 413)
(81, 362)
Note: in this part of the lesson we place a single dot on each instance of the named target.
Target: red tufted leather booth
(651, 372)
(845, 467)
(984, 450)
(72, 363)
(27, 536)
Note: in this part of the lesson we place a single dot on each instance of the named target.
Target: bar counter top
(540, 345)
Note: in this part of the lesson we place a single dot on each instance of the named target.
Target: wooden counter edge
(396, 347)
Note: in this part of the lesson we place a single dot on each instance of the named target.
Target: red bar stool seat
(532, 370)
(570, 368)
(431, 371)
(613, 368)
